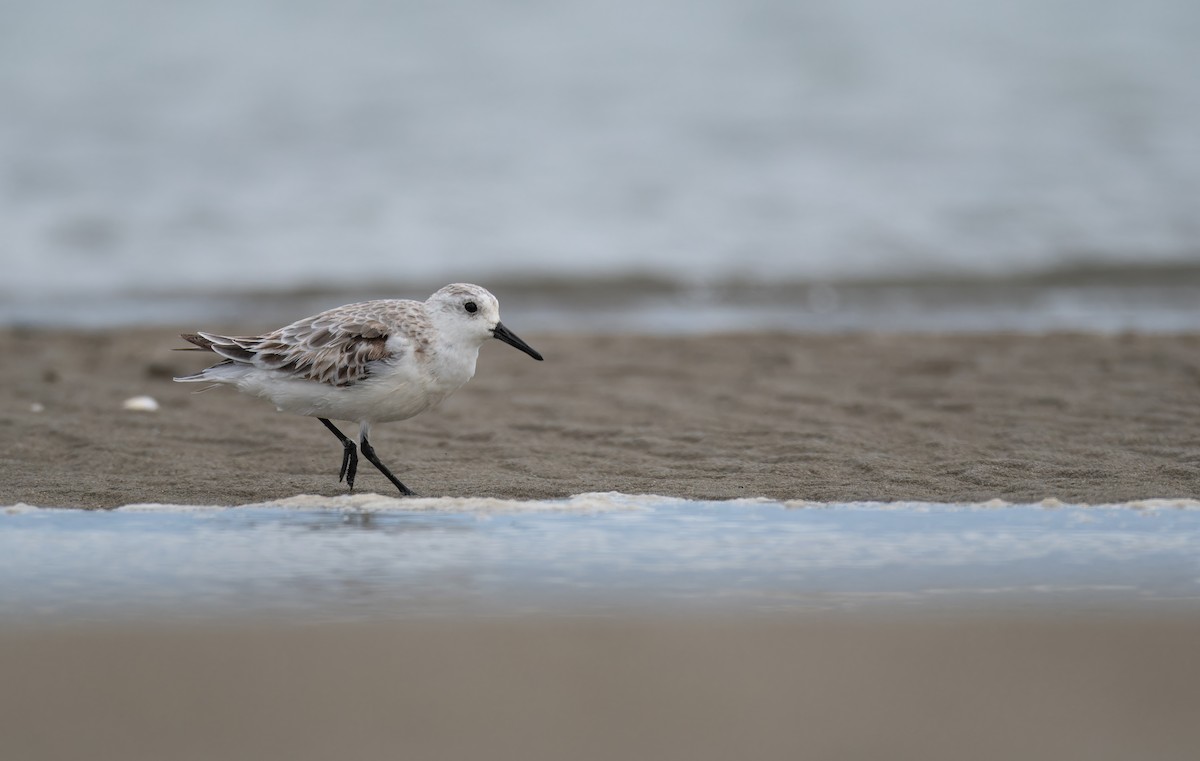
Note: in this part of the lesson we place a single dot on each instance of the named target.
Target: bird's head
(471, 313)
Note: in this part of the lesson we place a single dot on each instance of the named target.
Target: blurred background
(674, 165)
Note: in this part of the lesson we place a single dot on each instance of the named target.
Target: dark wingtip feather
(199, 340)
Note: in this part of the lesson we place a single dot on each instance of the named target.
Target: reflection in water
(333, 520)
(323, 564)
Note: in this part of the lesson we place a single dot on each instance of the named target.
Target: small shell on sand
(141, 404)
(37, 407)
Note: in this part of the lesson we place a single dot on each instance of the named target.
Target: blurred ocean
(856, 164)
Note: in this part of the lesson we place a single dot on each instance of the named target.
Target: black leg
(349, 454)
(369, 452)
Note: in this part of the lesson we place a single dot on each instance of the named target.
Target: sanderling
(372, 362)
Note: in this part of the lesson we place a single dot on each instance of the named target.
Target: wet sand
(961, 418)
(862, 417)
(853, 688)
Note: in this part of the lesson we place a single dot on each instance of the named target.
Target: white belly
(396, 395)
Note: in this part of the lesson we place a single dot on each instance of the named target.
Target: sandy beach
(1079, 418)
(858, 688)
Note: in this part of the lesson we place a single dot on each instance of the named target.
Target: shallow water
(378, 558)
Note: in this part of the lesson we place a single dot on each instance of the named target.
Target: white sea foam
(20, 509)
(372, 502)
(597, 502)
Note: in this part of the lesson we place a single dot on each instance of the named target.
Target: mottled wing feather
(323, 350)
(335, 347)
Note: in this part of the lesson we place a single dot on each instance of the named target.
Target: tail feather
(225, 371)
(235, 353)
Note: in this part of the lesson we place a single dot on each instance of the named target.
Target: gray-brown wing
(334, 347)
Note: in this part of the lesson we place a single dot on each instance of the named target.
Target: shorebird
(370, 362)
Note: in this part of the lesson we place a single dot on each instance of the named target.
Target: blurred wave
(698, 147)
(1085, 299)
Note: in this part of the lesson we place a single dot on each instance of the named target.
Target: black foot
(369, 452)
(349, 454)
(349, 463)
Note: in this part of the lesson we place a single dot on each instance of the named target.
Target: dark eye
(471, 307)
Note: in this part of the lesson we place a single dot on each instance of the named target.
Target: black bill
(510, 338)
